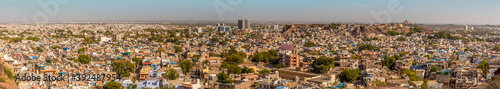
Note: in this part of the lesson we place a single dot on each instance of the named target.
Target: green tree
(412, 75)
(380, 83)
(36, 39)
(467, 48)
(350, 75)
(83, 58)
(427, 56)
(206, 62)
(160, 49)
(196, 57)
(271, 56)
(496, 48)
(57, 47)
(123, 67)
(137, 61)
(223, 42)
(224, 78)
(81, 50)
(186, 66)
(134, 86)
(334, 25)
(177, 49)
(363, 46)
(215, 39)
(434, 68)
(264, 71)
(401, 39)
(354, 57)
(281, 66)
(9, 72)
(171, 74)
(484, 66)
(244, 46)
(248, 70)
(112, 85)
(39, 49)
(88, 40)
(234, 59)
(232, 68)
(392, 33)
(375, 38)
(323, 64)
(389, 61)
(424, 85)
(309, 44)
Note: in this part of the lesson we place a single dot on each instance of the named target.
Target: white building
(224, 28)
(275, 27)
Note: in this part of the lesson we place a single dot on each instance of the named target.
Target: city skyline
(365, 11)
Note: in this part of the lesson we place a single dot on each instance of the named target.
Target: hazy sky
(364, 11)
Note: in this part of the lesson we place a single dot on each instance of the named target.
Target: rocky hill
(5, 82)
(367, 30)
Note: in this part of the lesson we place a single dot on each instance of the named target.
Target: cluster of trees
(412, 75)
(15, 39)
(380, 83)
(235, 69)
(496, 48)
(369, 39)
(57, 47)
(177, 49)
(224, 78)
(350, 75)
(367, 47)
(123, 67)
(389, 61)
(401, 39)
(392, 33)
(233, 56)
(323, 64)
(137, 61)
(334, 25)
(309, 44)
(8, 72)
(88, 40)
(33, 38)
(81, 50)
(434, 68)
(112, 85)
(171, 74)
(214, 39)
(484, 66)
(281, 66)
(186, 66)
(414, 30)
(354, 57)
(424, 85)
(83, 58)
(271, 56)
(264, 71)
(39, 49)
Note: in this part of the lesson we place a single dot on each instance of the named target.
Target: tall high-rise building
(243, 24)
(274, 27)
(224, 28)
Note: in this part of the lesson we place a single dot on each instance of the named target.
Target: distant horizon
(235, 21)
(466, 12)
